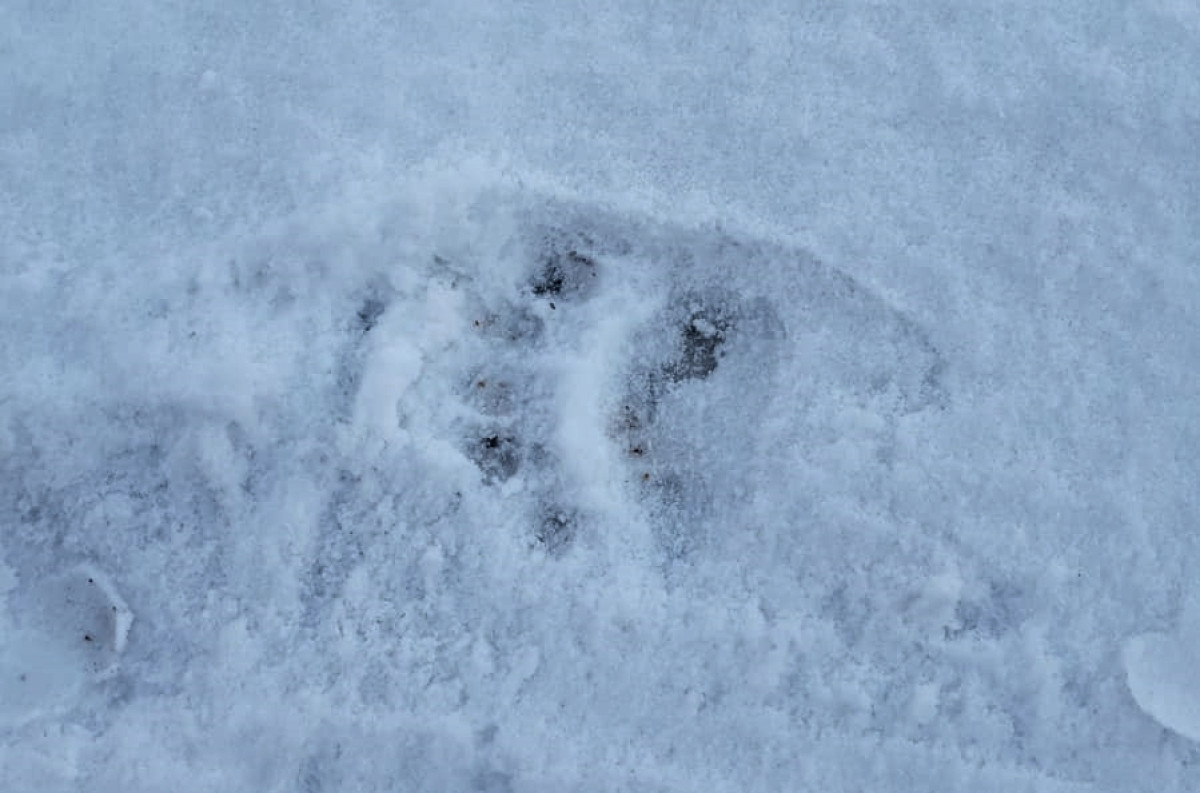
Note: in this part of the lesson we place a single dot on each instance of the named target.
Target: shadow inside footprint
(556, 530)
(369, 313)
(497, 455)
(702, 337)
(564, 275)
(492, 392)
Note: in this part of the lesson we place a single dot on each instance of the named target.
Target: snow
(599, 397)
(1163, 681)
(1160, 669)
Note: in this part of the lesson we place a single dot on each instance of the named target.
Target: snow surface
(1163, 680)
(599, 396)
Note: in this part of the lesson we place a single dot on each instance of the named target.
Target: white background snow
(608, 396)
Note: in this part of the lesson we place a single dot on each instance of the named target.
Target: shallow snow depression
(488, 489)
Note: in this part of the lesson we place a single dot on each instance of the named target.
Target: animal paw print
(510, 396)
(695, 336)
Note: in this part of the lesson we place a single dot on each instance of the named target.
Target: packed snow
(600, 397)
